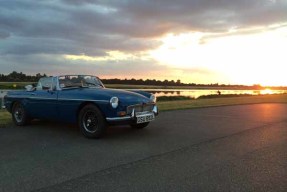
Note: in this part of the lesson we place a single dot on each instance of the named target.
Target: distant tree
(165, 82)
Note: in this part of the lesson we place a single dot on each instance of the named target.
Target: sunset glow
(202, 42)
(266, 91)
(236, 59)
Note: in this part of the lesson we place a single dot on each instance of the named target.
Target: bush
(173, 98)
(222, 96)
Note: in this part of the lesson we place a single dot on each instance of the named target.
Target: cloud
(32, 64)
(245, 31)
(95, 27)
(4, 35)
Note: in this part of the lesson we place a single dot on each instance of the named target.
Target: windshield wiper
(71, 86)
(97, 85)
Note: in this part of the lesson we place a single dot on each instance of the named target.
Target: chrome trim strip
(133, 115)
(61, 99)
(13, 96)
(140, 104)
(41, 98)
(105, 101)
(145, 114)
(155, 110)
(119, 118)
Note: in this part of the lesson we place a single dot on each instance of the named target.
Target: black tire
(139, 126)
(91, 122)
(19, 114)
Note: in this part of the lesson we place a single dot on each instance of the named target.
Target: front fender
(144, 93)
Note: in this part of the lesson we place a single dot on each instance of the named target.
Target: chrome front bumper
(132, 116)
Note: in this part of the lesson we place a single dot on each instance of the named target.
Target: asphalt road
(234, 148)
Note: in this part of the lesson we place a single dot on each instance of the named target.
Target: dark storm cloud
(94, 27)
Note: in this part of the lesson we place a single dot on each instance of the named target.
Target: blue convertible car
(81, 99)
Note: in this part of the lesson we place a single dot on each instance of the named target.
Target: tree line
(143, 82)
(21, 77)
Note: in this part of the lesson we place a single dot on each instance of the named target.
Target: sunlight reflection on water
(197, 93)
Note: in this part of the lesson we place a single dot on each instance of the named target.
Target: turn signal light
(122, 113)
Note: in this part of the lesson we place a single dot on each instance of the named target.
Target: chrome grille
(140, 108)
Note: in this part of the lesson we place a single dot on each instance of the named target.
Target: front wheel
(91, 122)
(139, 126)
(19, 114)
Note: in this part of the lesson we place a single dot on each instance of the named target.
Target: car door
(43, 101)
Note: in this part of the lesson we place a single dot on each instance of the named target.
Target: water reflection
(197, 93)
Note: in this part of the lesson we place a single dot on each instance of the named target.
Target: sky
(196, 41)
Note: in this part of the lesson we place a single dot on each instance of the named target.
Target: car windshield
(69, 81)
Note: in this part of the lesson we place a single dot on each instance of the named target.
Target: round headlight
(152, 98)
(114, 101)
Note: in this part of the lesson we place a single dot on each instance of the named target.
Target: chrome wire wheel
(19, 113)
(90, 121)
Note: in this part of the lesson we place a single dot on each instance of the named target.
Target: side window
(62, 82)
(45, 83)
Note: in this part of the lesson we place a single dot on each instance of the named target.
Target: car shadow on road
(72, 130)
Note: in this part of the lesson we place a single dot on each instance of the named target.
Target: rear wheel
(19, 114)
(139, 126)
(91, 122)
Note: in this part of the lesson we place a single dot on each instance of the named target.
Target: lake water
(195, 93)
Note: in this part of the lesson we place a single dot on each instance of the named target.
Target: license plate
(145, 118)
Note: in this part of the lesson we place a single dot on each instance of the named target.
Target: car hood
(124, 96)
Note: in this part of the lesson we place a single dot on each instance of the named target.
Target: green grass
(14, 85)
(198, 103)
(214, 96)
(172, 98)
(5, 117)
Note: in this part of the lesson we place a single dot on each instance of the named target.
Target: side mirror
(29, 88)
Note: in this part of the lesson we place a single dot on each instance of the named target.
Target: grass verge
(172, 98)
(14, 85)
(214, 102)
(5, 117)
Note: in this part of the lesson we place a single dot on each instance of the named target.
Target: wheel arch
(22, 101)
(13, 103)
(83, 104)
